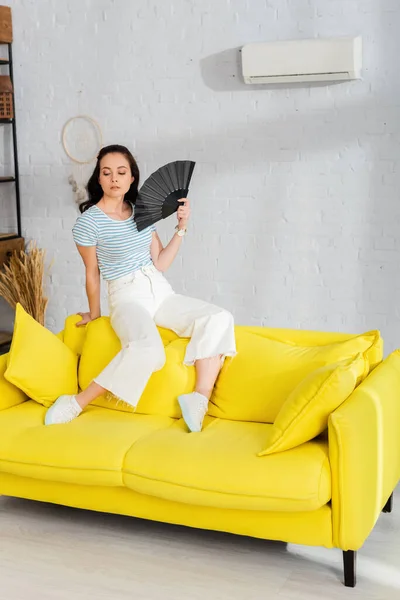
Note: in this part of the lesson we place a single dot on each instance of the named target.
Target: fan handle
(172, 203)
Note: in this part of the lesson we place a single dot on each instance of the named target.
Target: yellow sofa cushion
(160, 395)
(305, 413)
(89, 451)
(219, 467)
(9, 394)
(306, 338)
(255, 384)
(39, 363)
(75, 337)
(100, 346)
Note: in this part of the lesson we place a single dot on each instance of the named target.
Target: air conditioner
(337, 59)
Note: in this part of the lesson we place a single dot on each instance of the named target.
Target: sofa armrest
(364, 449)
(9, 394)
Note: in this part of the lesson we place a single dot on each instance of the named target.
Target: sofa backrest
(251, 387)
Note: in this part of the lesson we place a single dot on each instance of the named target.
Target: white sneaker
(194, 408)
(64, 410)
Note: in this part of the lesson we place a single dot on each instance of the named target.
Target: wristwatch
(180, 232)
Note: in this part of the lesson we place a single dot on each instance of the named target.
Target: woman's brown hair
(94, 189)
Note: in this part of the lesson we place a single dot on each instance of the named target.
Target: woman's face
(115, 175)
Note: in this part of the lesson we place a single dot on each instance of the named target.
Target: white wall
(296, 205)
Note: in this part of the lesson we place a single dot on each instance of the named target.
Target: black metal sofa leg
(389, 505)
(349, 565)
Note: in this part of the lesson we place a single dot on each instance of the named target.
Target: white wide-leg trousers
(138, 303)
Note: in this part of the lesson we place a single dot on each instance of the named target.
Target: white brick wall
(295, 197)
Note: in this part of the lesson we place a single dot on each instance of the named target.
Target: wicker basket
(6, 98)
(6, 32)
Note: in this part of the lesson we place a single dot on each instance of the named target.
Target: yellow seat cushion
(255, 384)
(39, 363)
(9, 394)
(305, 413)
(219, 467)
(89, 451)
(161, 393)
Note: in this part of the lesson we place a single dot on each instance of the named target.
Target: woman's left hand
(183, 213)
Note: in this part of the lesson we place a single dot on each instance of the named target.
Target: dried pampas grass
(21, 280)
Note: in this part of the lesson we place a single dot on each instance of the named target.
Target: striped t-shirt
(120, 247)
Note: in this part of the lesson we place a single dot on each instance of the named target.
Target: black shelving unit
(12, 122)
(14, 238)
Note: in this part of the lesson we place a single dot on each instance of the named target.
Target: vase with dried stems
(22, 280)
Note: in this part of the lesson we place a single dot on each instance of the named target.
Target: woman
(140, 298)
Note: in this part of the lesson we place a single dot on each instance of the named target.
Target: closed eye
(119, 173)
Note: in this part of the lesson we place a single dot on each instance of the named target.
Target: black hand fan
(159, 196)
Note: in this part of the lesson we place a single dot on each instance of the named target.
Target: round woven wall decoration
(82, 140)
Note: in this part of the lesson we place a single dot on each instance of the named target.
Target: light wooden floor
(52, 552)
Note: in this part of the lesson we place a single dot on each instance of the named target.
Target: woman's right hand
(86, 318)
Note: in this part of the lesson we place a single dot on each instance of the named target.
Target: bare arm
(164, 257)
(88, 254)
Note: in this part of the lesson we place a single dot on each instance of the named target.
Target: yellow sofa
(327, 492)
